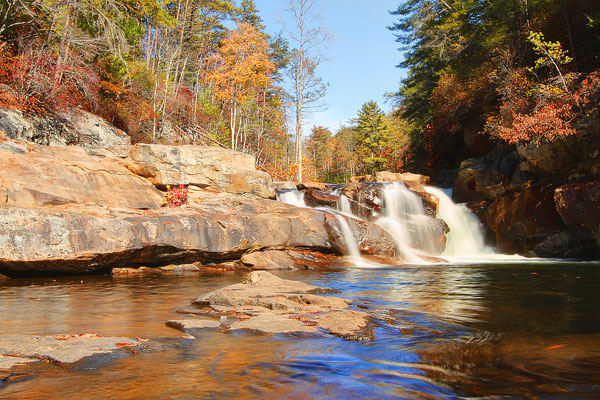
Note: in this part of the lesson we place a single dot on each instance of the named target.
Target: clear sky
(362, 56)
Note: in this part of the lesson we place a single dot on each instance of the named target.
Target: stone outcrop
(211, 168)
(266, 303)
(69, 127)
(90, 238)
(521, 220)
(579, 205)
(36, 176)
(386, 176)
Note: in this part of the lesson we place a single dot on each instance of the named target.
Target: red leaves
(176, 197)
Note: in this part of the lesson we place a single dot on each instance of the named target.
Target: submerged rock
(263, 302)
(16, 349)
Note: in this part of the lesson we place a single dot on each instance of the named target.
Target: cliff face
(542, 198)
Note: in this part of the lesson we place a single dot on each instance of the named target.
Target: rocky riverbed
(265, 303)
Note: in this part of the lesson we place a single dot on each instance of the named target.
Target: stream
(498, 330)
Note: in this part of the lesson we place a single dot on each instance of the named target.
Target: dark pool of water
(494, 331)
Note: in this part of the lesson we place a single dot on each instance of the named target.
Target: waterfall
(466, 235)
(414, 232)
(349, 240)
(343, 205)
(292, 197)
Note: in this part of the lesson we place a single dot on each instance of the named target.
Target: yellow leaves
(242, 64)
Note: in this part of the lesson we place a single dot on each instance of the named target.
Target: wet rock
(185, 324)
(318, 198)
(3, 278)
(274, 323)
(50, 176)
(206, 167)
(7, 362)
(273, 305)
(580, 245)
(269, 259)
(477, 180)
(324, 187)
(371, 238)
(348, 324)
(61, 348)
(133, 271)
(522, 220)
(579, 204)
(181, 268)
(365, 199)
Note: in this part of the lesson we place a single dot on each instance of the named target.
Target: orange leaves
(242, 64)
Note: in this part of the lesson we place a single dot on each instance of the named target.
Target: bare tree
(308, 36)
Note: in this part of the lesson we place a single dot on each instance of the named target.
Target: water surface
(441, 332)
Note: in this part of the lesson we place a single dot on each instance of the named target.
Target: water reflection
(526, 331)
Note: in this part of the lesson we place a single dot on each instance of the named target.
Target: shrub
(176, 197)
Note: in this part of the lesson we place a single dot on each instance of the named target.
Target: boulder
(35, 175)
(386, 176)
(522, 220)
(269, 259)
(206, 167)
(285, 185)
(84, 239)
(91, 130)
(365, 199)
(371, 238)
(323, 187)
(569, 244)
(579, 204)
(72, 126)
(263, 302)
(318, 198)
(477, 180)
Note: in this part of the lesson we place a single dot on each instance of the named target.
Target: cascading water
(292, 197)
(343, 205)
(349, 239)
(415, 233)
(466, 235)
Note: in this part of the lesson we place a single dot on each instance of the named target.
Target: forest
(478, 72)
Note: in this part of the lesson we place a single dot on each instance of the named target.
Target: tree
(242, 70)
(307, 36)
(371, 129)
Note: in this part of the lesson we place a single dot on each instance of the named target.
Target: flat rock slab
(7, 362)
(184, 324)
(266, 303)
(62, 348)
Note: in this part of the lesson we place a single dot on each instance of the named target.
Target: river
(519, 330)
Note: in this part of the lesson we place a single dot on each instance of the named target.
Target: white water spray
(292, 197)
(343, 205)
(466, 234)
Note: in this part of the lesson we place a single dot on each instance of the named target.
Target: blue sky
(362, 56)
